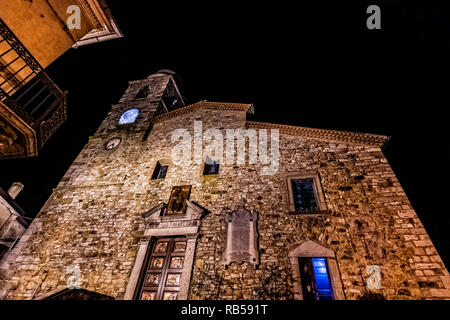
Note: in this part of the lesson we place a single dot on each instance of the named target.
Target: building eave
(101, 17)
(312, 133)
(324, 134)
(203, 105)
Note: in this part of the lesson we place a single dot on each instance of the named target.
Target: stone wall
(94, 218)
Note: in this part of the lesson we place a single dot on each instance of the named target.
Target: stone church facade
(127, 222)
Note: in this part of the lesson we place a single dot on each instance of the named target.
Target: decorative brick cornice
(324, 134)
(313, 133)
(204, 105)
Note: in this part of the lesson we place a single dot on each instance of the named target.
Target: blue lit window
(315, 279)
(129, 116)
(322, 280)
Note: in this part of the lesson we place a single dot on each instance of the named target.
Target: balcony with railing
(32, 106)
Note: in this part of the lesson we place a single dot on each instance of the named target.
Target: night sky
(315, 64)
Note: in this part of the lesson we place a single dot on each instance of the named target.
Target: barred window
(304, 195)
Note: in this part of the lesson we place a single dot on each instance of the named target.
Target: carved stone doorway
(161, 277)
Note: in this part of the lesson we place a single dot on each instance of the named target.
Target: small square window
(211, 167)
(160, 171)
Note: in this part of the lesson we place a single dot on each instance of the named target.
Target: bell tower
(143, 99)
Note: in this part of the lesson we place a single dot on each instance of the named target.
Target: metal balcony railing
(26, 88)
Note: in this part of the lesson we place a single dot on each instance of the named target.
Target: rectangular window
(304, 195)
(211, 167)
(160, 171)
(315, 280)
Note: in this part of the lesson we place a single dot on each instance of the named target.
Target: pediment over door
(164, 228)
(155, 218)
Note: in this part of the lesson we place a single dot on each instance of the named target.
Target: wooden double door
(164, 263)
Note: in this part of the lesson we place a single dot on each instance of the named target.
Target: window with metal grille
(304, 195)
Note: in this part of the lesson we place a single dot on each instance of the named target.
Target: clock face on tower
(111, 144)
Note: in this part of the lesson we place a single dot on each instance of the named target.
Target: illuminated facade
(129, 222)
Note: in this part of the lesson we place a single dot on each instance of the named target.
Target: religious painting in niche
(241, 237)
(162, 273)
(177, 201)
(129, 116)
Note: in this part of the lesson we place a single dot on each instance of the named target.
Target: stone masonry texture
(94, 216)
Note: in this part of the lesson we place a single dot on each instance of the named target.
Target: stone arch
(312, 249)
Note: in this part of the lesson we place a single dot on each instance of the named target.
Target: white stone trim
(187, 267)
(134, 277)
(156, 226)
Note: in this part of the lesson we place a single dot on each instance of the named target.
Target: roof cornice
(324, 134)
(204, 105)
(312, 133)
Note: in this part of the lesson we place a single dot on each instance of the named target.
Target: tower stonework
(128, 222)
